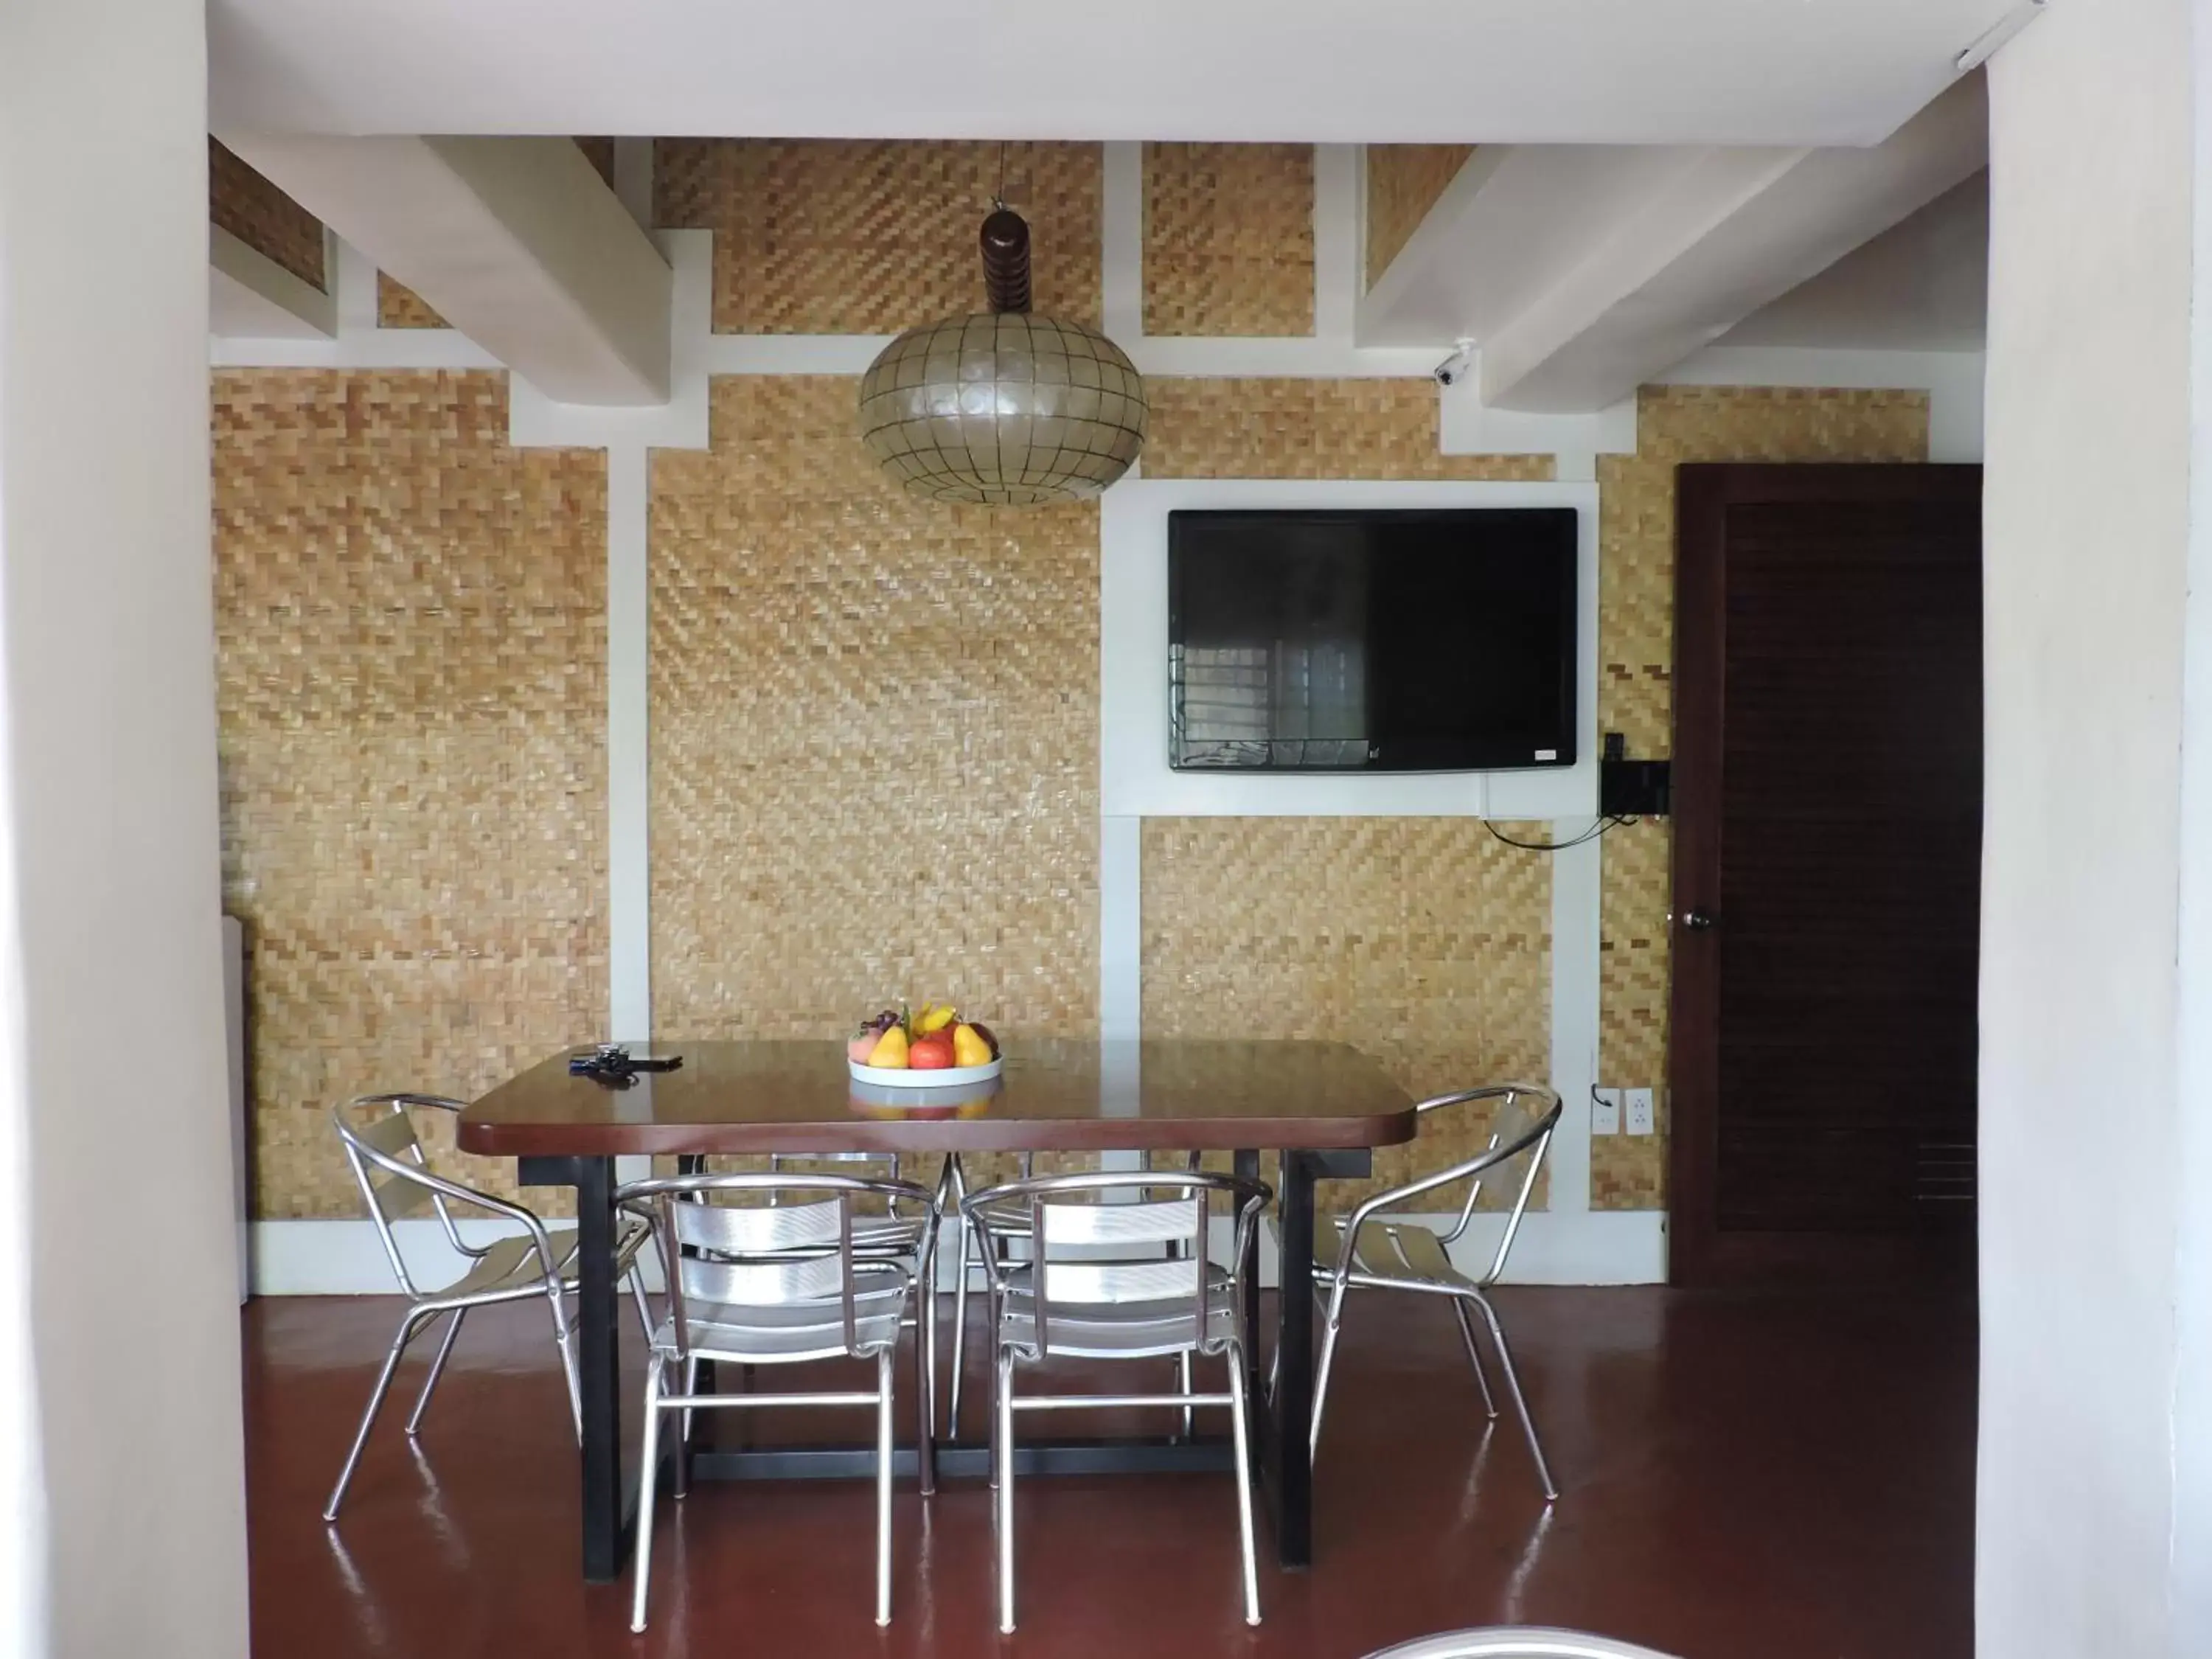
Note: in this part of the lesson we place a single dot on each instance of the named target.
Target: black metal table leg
(1290, 1415)
(598, 1368)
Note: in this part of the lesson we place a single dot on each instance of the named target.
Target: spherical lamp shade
(1003, 408)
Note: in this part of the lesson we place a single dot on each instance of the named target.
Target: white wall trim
(1121, 242)
(1288, 357)
(792, 354)
(1120, 926)
(629, 884)
(1575, 932)
(1338, 250)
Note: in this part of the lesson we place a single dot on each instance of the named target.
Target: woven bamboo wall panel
(1403, 183)
(1636, 655)
(854, 236)
(266, 219)
(1423, 942)
(398, 306)
(1229, 239)
(874, 737)
(410, 624)
(1305, 428)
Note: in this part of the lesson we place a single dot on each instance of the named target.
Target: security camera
(1455, 368)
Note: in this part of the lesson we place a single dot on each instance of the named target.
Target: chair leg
(562, 1341)
(1474, 1357)
(1006, 1414)
(1240, 1413)
(437, 1370)
(1520, 1401)
(925, 1387)
(1181, 1253)
(959, 1326)
(638, 1300)
(884, 1368)
(1329, 1331)
(998, 1451)
(408, 1327)
(684, 1428)
(648, 1462)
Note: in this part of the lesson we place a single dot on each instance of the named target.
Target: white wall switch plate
(1639, 1102)
(1605, 1112)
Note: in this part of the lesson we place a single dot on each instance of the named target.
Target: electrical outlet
(1638, 1103)
(1605, 1112)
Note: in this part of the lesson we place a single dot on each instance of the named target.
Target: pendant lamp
(1003, 407)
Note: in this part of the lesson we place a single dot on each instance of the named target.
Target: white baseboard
(343, 1258)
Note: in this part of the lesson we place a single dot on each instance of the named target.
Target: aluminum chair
(778, 1282)
(1519, 1642)
(1143, 1289)
(900, 1234)
(1404, 1254)
(386, 1155)
(1012, 1226)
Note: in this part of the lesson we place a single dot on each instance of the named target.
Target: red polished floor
(1743, 1477)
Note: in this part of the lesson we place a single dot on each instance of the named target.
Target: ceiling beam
(516, 242)
(251, 297)
(1582, 272)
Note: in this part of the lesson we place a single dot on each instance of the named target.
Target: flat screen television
(1372, 641)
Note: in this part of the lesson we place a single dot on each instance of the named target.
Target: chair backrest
(1522, 1641)
(791, 1245)
(1114, 1238)
(1522, 1122)
(385, 1155)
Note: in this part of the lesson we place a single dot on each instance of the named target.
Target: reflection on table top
(1056, 1093)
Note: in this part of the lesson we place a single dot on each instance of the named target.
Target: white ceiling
(1923, 285)
(1556, 71)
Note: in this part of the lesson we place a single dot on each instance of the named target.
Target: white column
(112, 1063)
(2096, 1024)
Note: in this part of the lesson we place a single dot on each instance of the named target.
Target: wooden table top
(791, 1097)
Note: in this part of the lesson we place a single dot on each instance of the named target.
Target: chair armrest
(459, 1193)
(1397, 1197)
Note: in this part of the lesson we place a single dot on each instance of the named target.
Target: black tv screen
(1379, 642)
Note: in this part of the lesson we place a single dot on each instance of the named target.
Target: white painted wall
(2191, 1549)
(2090, 623)
(106, 647)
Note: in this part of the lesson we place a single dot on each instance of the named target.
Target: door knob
(1697, 921)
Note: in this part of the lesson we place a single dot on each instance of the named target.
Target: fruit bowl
(944, 1077)
(933, 1050)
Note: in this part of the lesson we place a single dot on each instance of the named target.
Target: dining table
(1322, 1107)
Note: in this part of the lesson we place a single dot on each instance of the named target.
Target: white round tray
(942, 1077)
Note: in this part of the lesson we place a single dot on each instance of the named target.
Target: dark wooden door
(1827, 871)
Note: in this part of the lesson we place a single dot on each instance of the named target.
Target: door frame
(1698, 1253)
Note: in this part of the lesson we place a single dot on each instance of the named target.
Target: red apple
(932, 1053)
